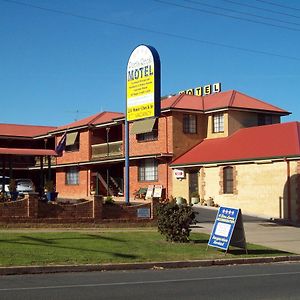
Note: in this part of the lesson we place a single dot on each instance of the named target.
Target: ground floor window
(147, 170)
(72, 176)
(228, 180)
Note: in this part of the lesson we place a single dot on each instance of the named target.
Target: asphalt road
(269, 281)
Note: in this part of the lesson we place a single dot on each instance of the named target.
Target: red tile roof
(263, 142)
(26, 151)
(27, 131)
(228, 99)
(96, 119)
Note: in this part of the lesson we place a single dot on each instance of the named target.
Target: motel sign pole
(127, 197)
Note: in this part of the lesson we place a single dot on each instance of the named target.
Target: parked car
(6, 183)
(25, 185)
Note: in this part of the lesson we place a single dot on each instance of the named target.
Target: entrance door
(193, 182)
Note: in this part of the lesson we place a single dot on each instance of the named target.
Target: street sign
(228, 229)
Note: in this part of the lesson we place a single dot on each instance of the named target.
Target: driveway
(257, 230)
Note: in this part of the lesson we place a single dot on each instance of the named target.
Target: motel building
(227, 146)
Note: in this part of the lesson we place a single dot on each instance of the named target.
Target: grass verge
(49, 248)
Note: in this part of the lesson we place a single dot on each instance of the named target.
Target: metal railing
(37, 162)
(107, 149)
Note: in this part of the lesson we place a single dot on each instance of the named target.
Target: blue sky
(65, 60)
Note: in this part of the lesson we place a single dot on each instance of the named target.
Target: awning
(71, 138)
(142, 126)
(29, 152)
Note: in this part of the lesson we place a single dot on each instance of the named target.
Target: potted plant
(51, 194)
(195, 198)
(180, 200)
(13, 190)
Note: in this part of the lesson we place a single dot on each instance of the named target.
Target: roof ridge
(232, 97)
(96, 117)
(261, 101)
(179, 97)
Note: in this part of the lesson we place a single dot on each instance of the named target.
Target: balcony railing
(107, 150)
(45, 161)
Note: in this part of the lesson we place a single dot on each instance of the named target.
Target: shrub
(174, 221)
(109, 200)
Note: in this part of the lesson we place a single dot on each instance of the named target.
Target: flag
(61, 145)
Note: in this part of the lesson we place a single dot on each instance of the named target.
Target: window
(149, 136)
(228, 180)
(147, 170)
(218, 123)
(189, 124)
(264, 119)
(72, 176)
(72, 141)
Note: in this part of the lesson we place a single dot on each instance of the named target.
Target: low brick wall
(17, 208)
(30, 209)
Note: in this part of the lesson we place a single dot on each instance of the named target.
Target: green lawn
(42, 248)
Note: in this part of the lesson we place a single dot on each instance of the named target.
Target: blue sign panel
(143, 213)
(223, 227)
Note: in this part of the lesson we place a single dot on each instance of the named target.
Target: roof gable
(270, 141)
(25, 131)
(228, 99)
(99, 118)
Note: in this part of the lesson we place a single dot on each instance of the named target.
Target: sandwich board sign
(228, 229)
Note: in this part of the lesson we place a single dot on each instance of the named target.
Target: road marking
(145, 282)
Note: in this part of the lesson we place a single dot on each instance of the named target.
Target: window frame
(228, 180)
(74, 147)
(189, 123)
(72, 176)
(145, 175)
(149, 136)
(218, 123)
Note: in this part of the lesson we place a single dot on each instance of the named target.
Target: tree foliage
(174, 221)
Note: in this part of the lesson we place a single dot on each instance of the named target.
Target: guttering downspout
(288, 183)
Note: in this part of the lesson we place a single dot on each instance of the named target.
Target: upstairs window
(218, 123)
(148, 170)
(228, 180)
(189, 123)
(264, 119)
(72, 176)
(72, 141)
(149, 136)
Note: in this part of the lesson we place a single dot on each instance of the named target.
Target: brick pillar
(97, 207)
(154, 204)
(32, 205)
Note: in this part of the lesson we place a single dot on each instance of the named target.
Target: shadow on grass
(50, 243)
(203, 241)
(52, 240)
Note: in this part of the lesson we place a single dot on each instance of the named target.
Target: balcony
(107, 150)
(45, 161)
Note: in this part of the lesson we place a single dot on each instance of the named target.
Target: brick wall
(31, 209)
(164, 177)
(77, 156)
(73, 191)
(117, 211)
(17, 208)
(162, 145)
(185, 141)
